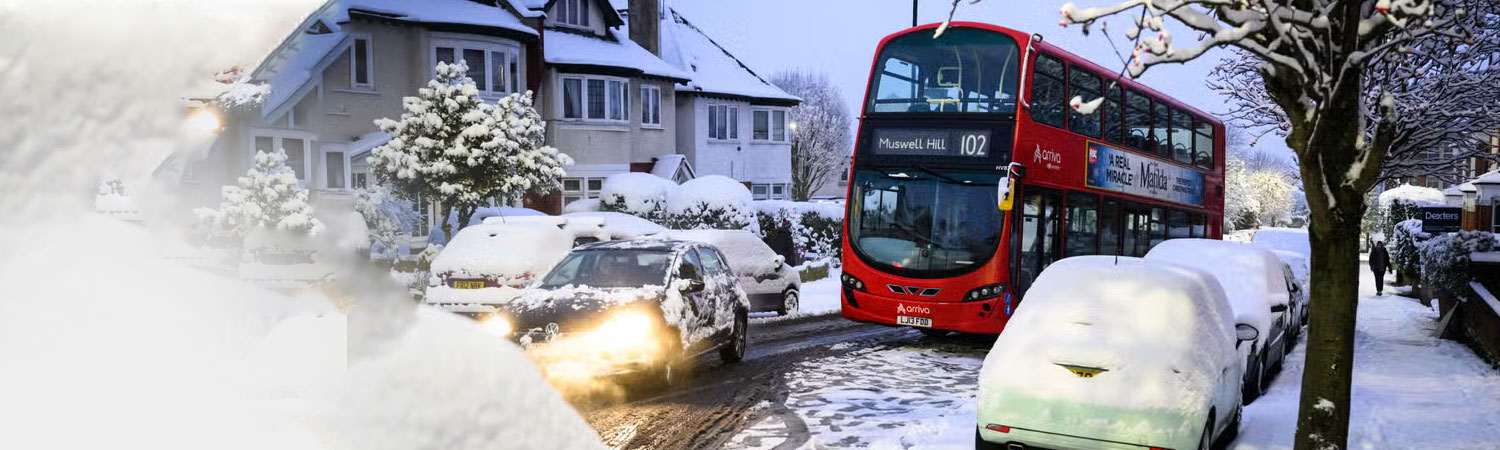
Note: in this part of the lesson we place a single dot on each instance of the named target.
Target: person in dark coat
(1380, 263)
(783, 243)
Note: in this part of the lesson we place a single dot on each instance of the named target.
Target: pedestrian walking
(1380, 263)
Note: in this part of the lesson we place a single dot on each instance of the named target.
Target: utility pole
(914, 13)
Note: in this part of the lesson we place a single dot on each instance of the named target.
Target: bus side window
(1178, 226)
(1203, 144)
(1086, 85)
(1137, 121)
(1182, 136)
(1047, 91)
(1159, 142)
(1083, 224)
(1112, 115)
(1110, 227)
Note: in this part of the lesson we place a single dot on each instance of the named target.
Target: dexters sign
(1121, 171)
(1438, 219)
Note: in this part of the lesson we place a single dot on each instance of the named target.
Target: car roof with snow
(1251, 275)
(664, 245)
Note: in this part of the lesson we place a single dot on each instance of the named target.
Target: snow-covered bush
(386, 217)
(637, 193)
(452, 147)
(816, 227)
(1404, 246)
(268, 196)
(714, 202)
(1445, 259)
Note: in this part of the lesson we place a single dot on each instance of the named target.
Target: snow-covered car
(1258, 293)
(773, 285)
(435, 235)
(633, 306)
(1140, 356)
(1293, 240)
(1299, 284)
(487, 265)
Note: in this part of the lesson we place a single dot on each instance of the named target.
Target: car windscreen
(610, 269)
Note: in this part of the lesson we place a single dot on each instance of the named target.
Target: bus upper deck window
(965, 71)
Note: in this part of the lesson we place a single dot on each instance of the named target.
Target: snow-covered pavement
(1411, 390)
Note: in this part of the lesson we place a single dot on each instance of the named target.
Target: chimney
(645, 24)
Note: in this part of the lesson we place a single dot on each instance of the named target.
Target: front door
(1036, 242)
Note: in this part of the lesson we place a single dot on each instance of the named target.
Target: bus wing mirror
(1007, 193)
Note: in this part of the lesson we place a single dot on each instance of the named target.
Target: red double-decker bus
(948, 122)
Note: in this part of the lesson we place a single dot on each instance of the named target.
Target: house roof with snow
(1491, 177)
(714, 71)
(319, 39)
(616, 54)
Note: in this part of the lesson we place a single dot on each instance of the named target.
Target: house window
(575, 189)
(361, 180)
(296, 152)
(573, 12)
(591, 98)
(760, 191)
(650, 106)
(723, 122)
(190, 172)
(494, 67)
(360, 65)
(336, 170)
(768, 125)
(778, 191)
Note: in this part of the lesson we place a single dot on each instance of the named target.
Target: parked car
(589, 227)
(1143, 355)
(1293, 240)
(487, 265)
(644, 306)
(771, 283)
(1258, 293)
(435, 234)
(1297, 274)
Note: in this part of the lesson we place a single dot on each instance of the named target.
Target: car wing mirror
(1278, 308)
(692, 286)
(1245, 332)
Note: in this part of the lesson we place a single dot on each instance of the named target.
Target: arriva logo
(903, 309)
(1046, 156)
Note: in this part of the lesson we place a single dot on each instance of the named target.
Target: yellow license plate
(1083, 372)
(468, 285)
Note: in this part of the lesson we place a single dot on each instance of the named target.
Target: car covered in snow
(1293, 240)
(643, 306)
(589, 227)
(487, 265)
(1258, 292)
(1298, 283)
(773, 285)
(1140, 356)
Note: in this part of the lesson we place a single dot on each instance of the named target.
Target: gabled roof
(611, 15)
(713, 70)
(572, 51)
(314, 43)
(1491, 177)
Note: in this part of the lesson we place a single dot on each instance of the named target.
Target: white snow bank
(1293, 240)
(832, 211)
(1161, 332)
(511, 256)
(584, 205)
(638, 193)
(747, 254)
(1251, 276)
(424, 378)
(1412, 194)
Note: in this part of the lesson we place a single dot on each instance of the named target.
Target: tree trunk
(1330, 335)
(447, 227)
(465, 212)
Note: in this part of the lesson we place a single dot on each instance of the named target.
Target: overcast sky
(839, 37)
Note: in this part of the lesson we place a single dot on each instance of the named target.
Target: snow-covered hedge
(637, 193)
(1404, 247)
(1414, 195)
(1446, 258)
(816, 227)
(714, 202)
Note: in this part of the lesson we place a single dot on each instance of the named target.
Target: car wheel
(1232, 431)
(1263, 380)
(735, 351)
(1250, 390)
(981, 444)
(790, 302)
(1205, 442)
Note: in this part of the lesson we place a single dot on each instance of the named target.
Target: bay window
(595, 98)
(494, 67)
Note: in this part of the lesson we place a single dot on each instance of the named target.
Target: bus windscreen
(963, 71)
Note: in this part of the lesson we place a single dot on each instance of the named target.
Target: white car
(1293, 240)
(771, 284)
(487, 265)
(589, 227)
(1258, 293)
(1140, 356)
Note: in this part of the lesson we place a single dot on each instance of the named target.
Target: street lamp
(791, 126)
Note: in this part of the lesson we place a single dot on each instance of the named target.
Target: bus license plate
(914, 321)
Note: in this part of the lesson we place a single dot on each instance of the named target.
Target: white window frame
(771, 125)
(369, 84)
(719, 111)
(511, 50)
(760, 191)
(583, 192)
(583, 96)
(778, 196)
(565, 7)
(650, 106)
(277, 136)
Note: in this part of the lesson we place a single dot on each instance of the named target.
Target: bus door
(1036, 240)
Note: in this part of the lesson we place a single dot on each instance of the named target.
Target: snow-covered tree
(1312, 57)
(268, 196)
(453, 147)
(1273, 194)
(1239, 200)
(386, 217)
(820, 130)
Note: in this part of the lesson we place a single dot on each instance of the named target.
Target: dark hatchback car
(641, 306)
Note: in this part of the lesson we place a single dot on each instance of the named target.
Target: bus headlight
(498, 326)
(985, 292)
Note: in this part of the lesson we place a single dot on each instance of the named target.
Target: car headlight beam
(498, 326)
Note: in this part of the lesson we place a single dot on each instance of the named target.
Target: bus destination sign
(1120, 171)
(967, 143)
